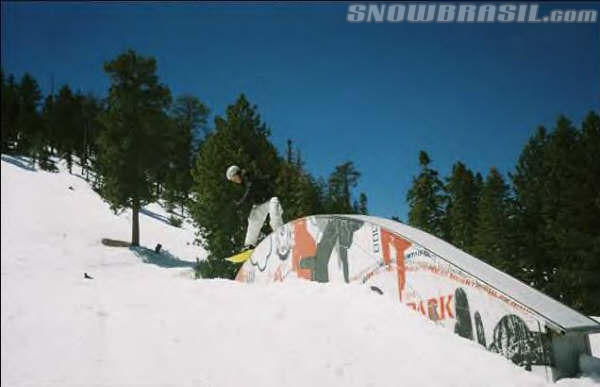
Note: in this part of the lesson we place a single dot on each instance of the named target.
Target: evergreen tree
(10, 114)
(133, 145)
(4, 127)
(289, 190)
(426, 199)
(461, 211)
(320, 186)
(44, 156)
(528, 185)
(66, 124)
(86, 149)
(239, 138)
(29, 140)
(189, 116)
(289, 152)
(360, 206)
(566, 205)
(557, 201)
(478, 185)
(299, 161)
(339, 189)
(493, 229)
(313, 195)
(561, 162)
(585, 279)
(296, 188)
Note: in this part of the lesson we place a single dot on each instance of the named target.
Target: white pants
(257, 217)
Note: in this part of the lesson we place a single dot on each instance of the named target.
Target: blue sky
(375, 94)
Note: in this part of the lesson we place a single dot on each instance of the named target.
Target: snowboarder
(259, 211)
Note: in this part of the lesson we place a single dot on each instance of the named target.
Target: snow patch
(143, 321)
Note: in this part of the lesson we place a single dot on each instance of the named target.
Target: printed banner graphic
(334, 249)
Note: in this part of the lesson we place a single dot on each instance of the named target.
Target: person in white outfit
(259, 212)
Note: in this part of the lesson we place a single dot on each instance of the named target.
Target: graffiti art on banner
(337, 249)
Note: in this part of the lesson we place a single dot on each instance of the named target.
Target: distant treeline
(542, 226)
(139, 145)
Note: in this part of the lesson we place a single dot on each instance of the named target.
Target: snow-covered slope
(143, 321)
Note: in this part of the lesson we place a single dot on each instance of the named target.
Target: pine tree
(339, 189)
(360, 206)
(493, 228)
(299, 160)
(133, 144)
(313, 194)
(297, 189)
(289, 189)
(239, 138)
(91, 113)
(44, 156)
(426, 199)
(561, 161)
(586, 278)
(557, 200)
(478, 185)
(566, 205)
(189, 116)
(29, 140)
(67, 124)
(528, 185)
(10, 114)
(461, 211)
(4, 127)
(289, 151)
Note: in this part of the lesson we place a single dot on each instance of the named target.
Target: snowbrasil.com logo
(464, 13)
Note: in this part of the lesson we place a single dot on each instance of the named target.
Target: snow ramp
(434, 278)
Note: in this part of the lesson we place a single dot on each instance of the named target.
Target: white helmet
(232, 171)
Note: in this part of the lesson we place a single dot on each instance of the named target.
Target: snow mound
(142, 320)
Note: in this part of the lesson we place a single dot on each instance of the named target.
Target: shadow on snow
(163, 259)
(20, 162)
(156, 216)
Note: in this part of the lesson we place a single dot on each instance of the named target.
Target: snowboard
(241, 257)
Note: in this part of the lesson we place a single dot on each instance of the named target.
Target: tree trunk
(135, 224)
(183, 199)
